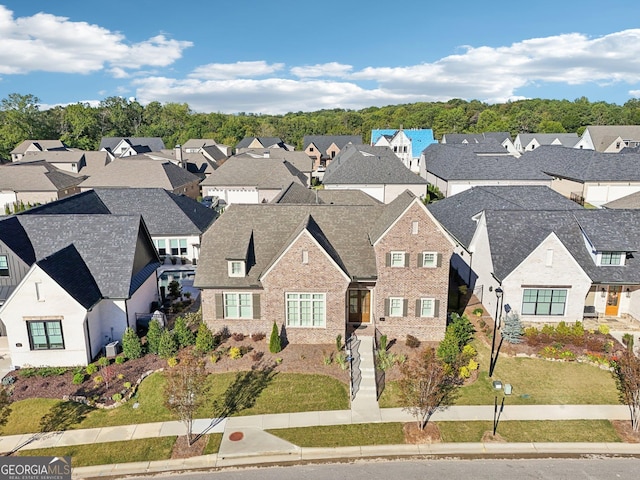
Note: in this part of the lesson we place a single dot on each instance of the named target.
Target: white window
(236, 268)
(161, 245)
(427, 307)
(612, 258)
(397, 259)
(238, 305)
(4, 266)
(396, 307)
(305, 257)
(306, 309)
(430, 259)
(173, 244)
(414, 228)
(39, 292)
(183, 246)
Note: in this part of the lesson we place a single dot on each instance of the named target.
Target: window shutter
(406, 259)
(256, 305)
(438, 259)
(405, 306)
(418, 308)
(420, 260)
(219, 306)
(388, 259)
(436, 308)
(386, 307)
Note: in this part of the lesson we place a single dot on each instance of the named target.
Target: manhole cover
(236, 436)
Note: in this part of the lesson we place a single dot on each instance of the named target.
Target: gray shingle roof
(323, 142)
(154, 144)
(38, 176)
(266, 142)
(475, 137)
(629, 201)
(300, 160)
(565, 139)
(364, 164)
(41, 144)
(456, 213)
(514, 235)
(298, 194)
(603, 135)
(263, 173)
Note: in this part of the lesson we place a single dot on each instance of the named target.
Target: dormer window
(612, 258)
(236, 268)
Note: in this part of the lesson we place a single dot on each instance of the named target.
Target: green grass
(532, 431)
(213, 443)
(343, 435)
(534, 381)
(146, 449)
(286, 392)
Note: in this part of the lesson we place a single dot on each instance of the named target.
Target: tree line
(81, 125)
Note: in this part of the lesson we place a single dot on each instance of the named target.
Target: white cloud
(491, 74)
(49, 43)
(228, 71)
(332, 69)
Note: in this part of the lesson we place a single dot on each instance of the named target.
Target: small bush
(205, 341)
(235, 353)
(153, 336)
(238, 337)
(327, 359)
(257, 337)
(339, 343)
(473, 365)
(172, 361)
(103, 362)
(215, 357)
(91, 369)
(341, 359)
(8, 380)
(257, 356)
(120, 360)
(603, 329)
(478, 311)
(463, 372)
(78, 378)
(98, 379)
(168, 345)
(120, 376)
(183, 333)
(627, 340)
(275, 344)
(383, 342)
(131, 345)
(412, 342)
(127, 385)
(116, 397)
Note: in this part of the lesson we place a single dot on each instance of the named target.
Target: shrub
(116, 397)
(512, 328)
(478, 311)
(120, 360)
(98, 379)
(78, 378)
(183, 333)
(384, 340)
(153, 336)
(193, 319)
(627, 339)
(215, 356)
(341, 359)
(235, 353)
(463, 372)
(238, 337)
(131, 345)
(448, 350)
(103, 362)
(127, 385)
(275, 344)
(91, 369)
(327, 359)
(603, 329)
(167, 346)
(205, 341)
(412, 342)
(172, 361)
(339, 343)
(473, 365)
(256, 337)
(256, 356)
(469, 351)
(120, 376)
(8, 380)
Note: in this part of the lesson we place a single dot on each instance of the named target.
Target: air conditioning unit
(112, 349)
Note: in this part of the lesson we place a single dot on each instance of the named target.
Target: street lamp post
(492, 363)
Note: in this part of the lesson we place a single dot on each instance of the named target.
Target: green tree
(183, 333)
(19, 121)
(131, 345)
(512, 329)
(167, 346)
(153, 336)
(627, 375)
(205, 341)
(275, 344)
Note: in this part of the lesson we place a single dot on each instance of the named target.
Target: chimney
(266, 154)
(178, 153)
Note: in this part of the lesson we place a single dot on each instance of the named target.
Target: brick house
(318, 270)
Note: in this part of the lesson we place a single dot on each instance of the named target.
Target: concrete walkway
(254, 445)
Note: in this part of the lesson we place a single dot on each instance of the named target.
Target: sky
(279, 56)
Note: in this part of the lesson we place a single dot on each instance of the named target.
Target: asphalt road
(446, 469)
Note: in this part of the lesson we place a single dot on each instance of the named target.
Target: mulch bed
(625, 432)
(413, 435)
(182, 449)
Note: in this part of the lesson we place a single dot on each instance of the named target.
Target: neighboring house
(30, 146)
(406, 144)
(204, 145)
(143, 172)
(503, 138)
(454, 168)
(526, 142)
(74, 161)
(609, 138)
(377, 171)
(252, 143)
(300, 160)
(298, 194)
(631, 201)
(586, 175)
(175, 222)
(557, 265)
(197, 163)
(246, 179)
(35, 182)
(458, 215)
(74, 284)
(120, 147)
(322, 149)
(318, 271)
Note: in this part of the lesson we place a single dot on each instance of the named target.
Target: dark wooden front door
(359, 306)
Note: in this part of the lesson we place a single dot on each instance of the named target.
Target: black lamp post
(492, 363)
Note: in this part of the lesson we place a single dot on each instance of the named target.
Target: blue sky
(277, 56)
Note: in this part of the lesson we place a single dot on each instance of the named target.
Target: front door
(359, 306)
(613, 301)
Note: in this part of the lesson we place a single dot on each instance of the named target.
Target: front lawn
(343, 435)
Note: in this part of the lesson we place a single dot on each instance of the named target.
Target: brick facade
(413, 282)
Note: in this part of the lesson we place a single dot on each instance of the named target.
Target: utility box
(112, 349)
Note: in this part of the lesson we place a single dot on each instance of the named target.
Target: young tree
(275, 345)
(427, 384)
(5, 406)
(627, 374)
(512, 329)
(205, 341)
(131, 345)
(153, 336)
(185, 390)
(167, 346)
(183, 333)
